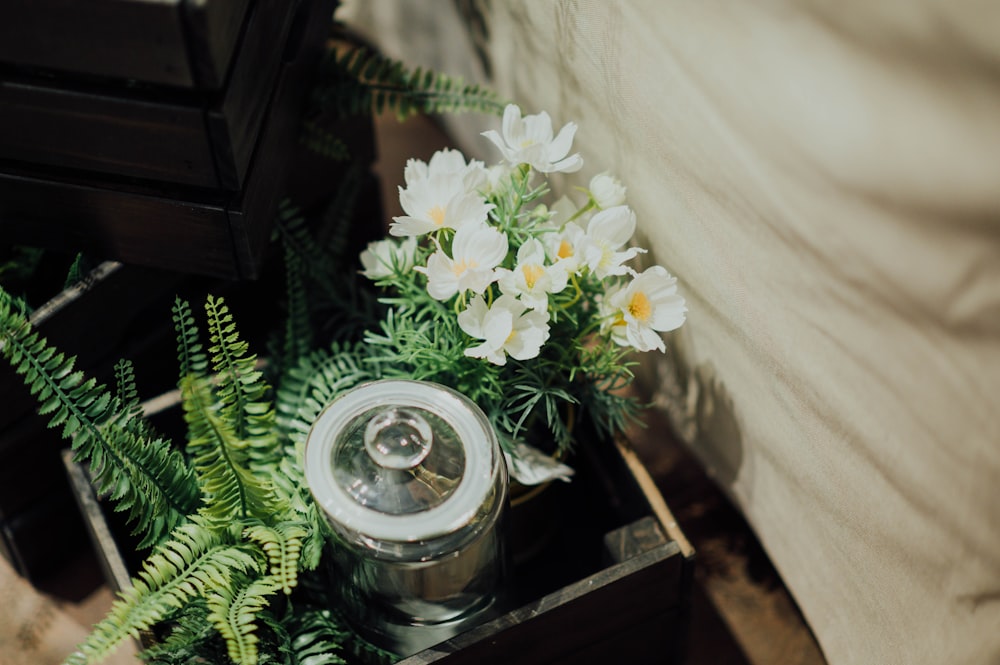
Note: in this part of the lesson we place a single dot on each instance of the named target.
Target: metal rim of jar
(455, 512)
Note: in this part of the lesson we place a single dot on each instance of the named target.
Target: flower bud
(607, 191)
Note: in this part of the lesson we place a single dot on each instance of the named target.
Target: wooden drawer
(184, 43)
(182, 178)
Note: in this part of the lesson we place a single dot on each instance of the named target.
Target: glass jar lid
(401, 460)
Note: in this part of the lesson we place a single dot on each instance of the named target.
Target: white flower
(531, 279)
(649, 304)
(529, 140)
(607, 191)
(562, 211)
(475, 251)
(607, 232)
(507, 327)
(566, 246)
(446, 162)
(498, 180)
(436, 202)
(388, 257)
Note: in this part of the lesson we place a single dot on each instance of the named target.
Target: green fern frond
(233, 610)
(298, 333)
(191, 636)
(314, 257)
(318, 638)
(314, 382)
(282, 544)
(190, 351)
(221, 459)
(197, 559)
(241, 388)
(319, 533)
(126, 394)
(147, 478)
(324, 142)
(335, 225)
(357, 81)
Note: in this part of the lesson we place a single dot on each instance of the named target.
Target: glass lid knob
(398, 438)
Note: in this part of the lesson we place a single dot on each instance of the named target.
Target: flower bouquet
(528, 306)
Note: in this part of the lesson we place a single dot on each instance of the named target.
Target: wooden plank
(131, 137)
(251, 217)
(576, 620)
(234, 122)
(116, 574)
(213, 32)
(121, 39)
(656, 501)
(184, 235)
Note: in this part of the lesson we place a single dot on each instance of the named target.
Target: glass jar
(413, 483)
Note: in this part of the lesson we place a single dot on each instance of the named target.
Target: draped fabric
(824, 179)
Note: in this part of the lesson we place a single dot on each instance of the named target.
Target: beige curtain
(824, 178)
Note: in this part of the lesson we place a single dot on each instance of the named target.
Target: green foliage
(250, 540)
(197, 559)
(18, 263)
(145, 476)
(282, 544)
(233, 610)
(357, 81)
(315, 629)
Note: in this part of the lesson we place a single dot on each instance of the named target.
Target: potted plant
(527, 306)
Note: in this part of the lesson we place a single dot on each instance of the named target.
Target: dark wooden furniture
(153, 133)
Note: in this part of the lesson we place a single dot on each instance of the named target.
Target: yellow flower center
(531, 274)
(512, 335)
(565, 250)
(437, 215)
(640, 307)
(461, 266)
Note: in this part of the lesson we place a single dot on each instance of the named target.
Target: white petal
(614, 225)
(471, 319)
(442, 283)
(538, 129)
(497, 326)
(559, 147)
(571, 164)
(511, 124)
(530, 466)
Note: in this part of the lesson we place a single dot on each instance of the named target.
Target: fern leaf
(241, 386)
(149, 480)
(197, 559)
(221, 459)
(298, 326)
(190, 352)
(312, 384)
(233, 610)
(359, 81)
(282, 544)
(324, 142)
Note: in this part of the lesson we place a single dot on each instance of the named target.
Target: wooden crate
(154, 133)
(612, 582)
